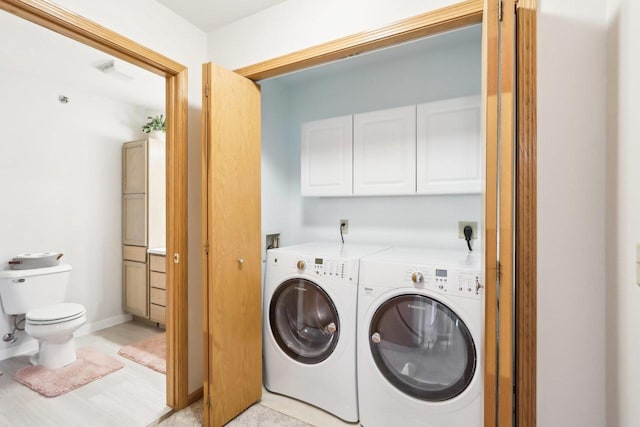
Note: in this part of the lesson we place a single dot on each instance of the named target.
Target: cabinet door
(134, 219)
(136, 300)
(384, 150)
(449, 146)
(326, 157)
(134, 167)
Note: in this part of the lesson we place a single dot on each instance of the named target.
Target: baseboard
(27, 344)
(195, 396)
(102, 324)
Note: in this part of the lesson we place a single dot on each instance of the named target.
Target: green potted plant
(155, 127)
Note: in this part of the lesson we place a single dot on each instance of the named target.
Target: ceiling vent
(120, 70)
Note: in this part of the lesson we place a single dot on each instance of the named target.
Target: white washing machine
(420, 339)
(309, 327)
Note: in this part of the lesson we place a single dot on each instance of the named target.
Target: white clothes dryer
(309, 327)
(420, 339)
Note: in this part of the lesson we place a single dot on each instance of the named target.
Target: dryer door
(304, 321)
(422, 347)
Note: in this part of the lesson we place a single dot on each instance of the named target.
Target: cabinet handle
(240, 261)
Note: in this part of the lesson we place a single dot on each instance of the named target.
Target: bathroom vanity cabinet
(143, 223)
(157, 288)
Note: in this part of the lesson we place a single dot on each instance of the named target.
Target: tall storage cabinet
(143, 217)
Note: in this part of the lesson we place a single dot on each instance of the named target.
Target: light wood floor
(132, 396)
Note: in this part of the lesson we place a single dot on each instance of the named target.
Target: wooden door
(232, 267)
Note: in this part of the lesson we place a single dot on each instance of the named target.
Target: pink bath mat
(90, 366)
(150, 352)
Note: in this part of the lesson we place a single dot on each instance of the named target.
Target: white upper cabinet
(449, 146)
(326, 157)
(384, 150)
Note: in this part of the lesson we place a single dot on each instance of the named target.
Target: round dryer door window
(304, 321)
(422, 347)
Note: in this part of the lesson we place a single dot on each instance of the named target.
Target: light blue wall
(448, 67)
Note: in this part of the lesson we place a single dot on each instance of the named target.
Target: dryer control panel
(458, 282)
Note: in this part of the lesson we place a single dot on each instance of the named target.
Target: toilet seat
(57, 313)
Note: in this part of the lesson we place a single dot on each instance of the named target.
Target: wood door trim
(506, 213)
(206, 342)
(76, 27)
(491, 60)
(440, 20)
(526, 208)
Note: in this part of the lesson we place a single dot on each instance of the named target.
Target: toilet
(39, 294)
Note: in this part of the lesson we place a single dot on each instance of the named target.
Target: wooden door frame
(78, 28)
(517, 214)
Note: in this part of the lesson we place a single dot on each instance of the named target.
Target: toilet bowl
(53, 326)
(39, 294)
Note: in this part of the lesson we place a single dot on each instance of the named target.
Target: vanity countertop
(157, 251)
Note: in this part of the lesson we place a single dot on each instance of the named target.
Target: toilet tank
(24, 290)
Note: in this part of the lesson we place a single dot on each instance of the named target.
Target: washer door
(304, 321)
(422, 347)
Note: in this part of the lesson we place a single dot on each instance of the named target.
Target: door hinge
(500, 11)
(206, 248)
(206, 90)
(498, 270)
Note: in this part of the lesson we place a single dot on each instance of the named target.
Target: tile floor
(133, 396)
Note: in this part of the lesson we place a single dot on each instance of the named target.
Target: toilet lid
(55, 313)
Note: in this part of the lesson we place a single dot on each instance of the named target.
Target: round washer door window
(422, 347)
(304, 321)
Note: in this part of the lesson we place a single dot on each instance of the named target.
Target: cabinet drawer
(157, 263)
(134, 253)
(158, 296)
(158, 313)
(157, 280)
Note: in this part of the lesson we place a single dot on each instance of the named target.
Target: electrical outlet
(344, 225)
(463, 224)
(272, 241)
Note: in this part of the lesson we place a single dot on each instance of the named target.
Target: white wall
(623, 213)
(571, 213)
(156, 27)
(446, 67)
(298, 24)
(61, 165)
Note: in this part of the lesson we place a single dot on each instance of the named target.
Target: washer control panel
(458, 282)
(329, 268)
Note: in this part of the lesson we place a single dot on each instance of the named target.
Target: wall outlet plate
(345, 227)
(472, 224)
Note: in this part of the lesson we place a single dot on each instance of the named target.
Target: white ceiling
(211, 14)
(71, 65)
